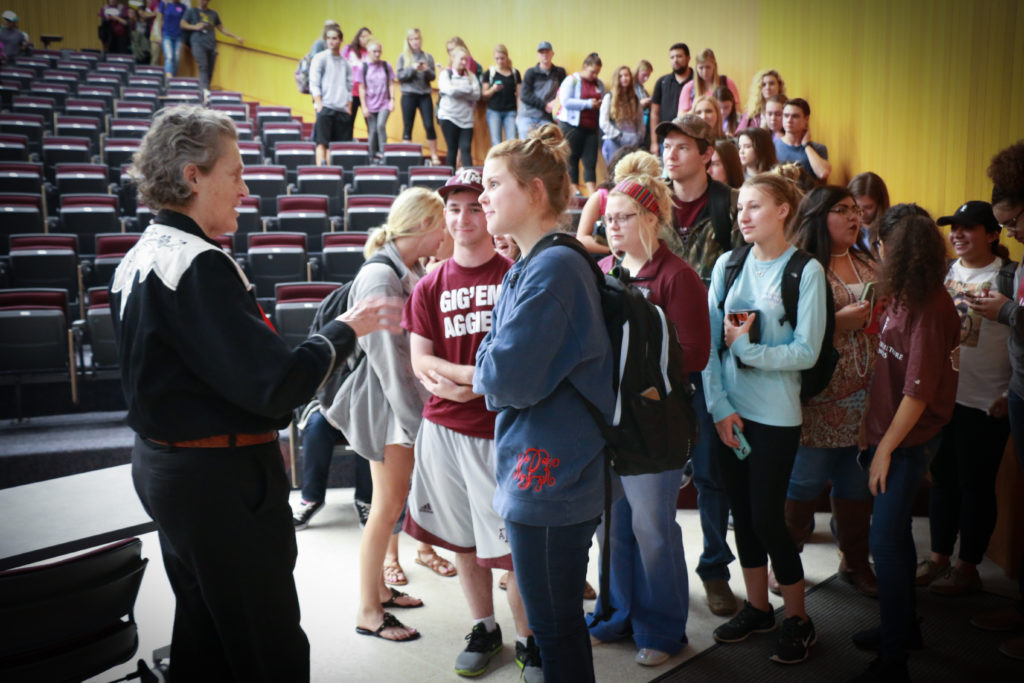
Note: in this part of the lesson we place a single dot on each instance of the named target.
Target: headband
(641, 194)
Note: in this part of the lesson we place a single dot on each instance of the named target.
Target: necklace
(842, 254)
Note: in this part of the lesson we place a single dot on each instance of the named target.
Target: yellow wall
(923, 92)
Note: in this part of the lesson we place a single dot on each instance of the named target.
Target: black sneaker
(749, 620)
(481, 649)
(794, 643)
(362, 511)
(305, 513)
(871, 639)
(528, 659)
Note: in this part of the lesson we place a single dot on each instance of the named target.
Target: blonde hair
(373, 40)
(643, 168)
(716, 128)
(542, 154)
(415, 211)
(708, 55)
(501, 49)
(755, 100)
(407, 54)
(455, 54)
(781, 189)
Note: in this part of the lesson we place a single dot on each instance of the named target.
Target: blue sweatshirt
(768, 391)
(547, 327)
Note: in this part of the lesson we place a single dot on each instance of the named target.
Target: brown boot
(853, 523)
(800, 520)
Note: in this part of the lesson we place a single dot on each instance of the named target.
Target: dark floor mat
(954, 650)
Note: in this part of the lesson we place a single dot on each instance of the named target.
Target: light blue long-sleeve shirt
(768, 391)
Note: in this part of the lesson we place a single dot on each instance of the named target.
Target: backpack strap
(720, 203)
(733, 267)
(791, 285)
(1004, 280)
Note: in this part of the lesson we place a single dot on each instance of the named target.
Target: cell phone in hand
(744, 448)
(870, 294)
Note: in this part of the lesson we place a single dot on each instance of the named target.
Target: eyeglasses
(844, 209)
(1011, 225)
(618, 220)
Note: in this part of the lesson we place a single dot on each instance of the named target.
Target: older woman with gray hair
(208, 383)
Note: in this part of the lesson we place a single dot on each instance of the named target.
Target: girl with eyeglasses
(911, 398)
(648, 584)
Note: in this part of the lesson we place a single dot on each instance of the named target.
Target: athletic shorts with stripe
(450, 502)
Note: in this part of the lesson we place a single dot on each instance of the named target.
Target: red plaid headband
(641, 194)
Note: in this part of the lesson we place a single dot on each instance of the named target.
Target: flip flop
(390, 621)
(436, 564)
(397, 573)
(396, 595)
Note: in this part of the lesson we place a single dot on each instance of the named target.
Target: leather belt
(222, 441)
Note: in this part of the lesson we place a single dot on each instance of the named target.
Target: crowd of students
(477, 419)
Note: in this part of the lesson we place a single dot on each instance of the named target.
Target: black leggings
(962, 498)
(583, 143)
(457, 139)
(757, 492)
(410, 102)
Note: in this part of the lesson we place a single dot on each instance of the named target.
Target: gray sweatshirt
(410, 79)
(330, 77)
(459, 95)
(1010, 315)
(381, 402)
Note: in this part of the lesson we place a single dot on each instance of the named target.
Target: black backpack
(333, 305)
(654, 427)
(813, 380)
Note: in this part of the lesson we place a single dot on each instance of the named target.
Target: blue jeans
(625, 139)
(712, 501)
(892, 545)
(1017, 430)
(527, 123)
(551, 572)
(648, 587)
(318, 441)
(501, 120)
(815, 466)
(172, 54)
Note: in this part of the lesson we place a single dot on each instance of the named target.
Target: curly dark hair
(915, 261)
(810, 231)
(1007, 174)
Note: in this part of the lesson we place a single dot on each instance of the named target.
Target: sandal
(397, 595)
(394, 575)
(390, 621)
(436, 563)
(435, 161)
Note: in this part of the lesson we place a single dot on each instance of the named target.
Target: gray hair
(180, 136)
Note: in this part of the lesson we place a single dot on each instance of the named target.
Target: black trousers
(583, 144)
(410, 103)
(229, 550)
(457, 140)
(757, 492)
(962, 499)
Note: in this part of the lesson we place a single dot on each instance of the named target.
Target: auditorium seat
(90, 127)
(250, 219)
(267, 181)
(403, 155)
(73, 619)
(432, 177)
(224, 96)
(342, 255)
(58, 92)
(116, 152)
(325, 180)
(13, 147)
(62, 149)
(293, 154)
(35, 340)
(26, 104)
(273, 132)
(244, 129)
(128, 128)
(100, 93)
(366, 211)
(56, 75)
(142, 92)
(276, 257)
(20, 213)
(44, 260)
(133, 109)
(374, 180)
(113, 79)
(238, 112)
(268, 113)
(295, 305)
(20, 176)
(29, 125)
(348, 155)
(251, 151)
(110, 250)
(21, 75)
(83, 106)
(88, 214)
(305, 213)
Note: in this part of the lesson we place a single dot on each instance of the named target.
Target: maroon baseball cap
(466, 179)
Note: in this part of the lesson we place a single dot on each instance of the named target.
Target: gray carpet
(954, 650)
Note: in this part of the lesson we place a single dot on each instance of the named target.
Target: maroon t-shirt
(685, 213)
(451, 307)
(670, 282)
(915, 358)
(589, 91)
